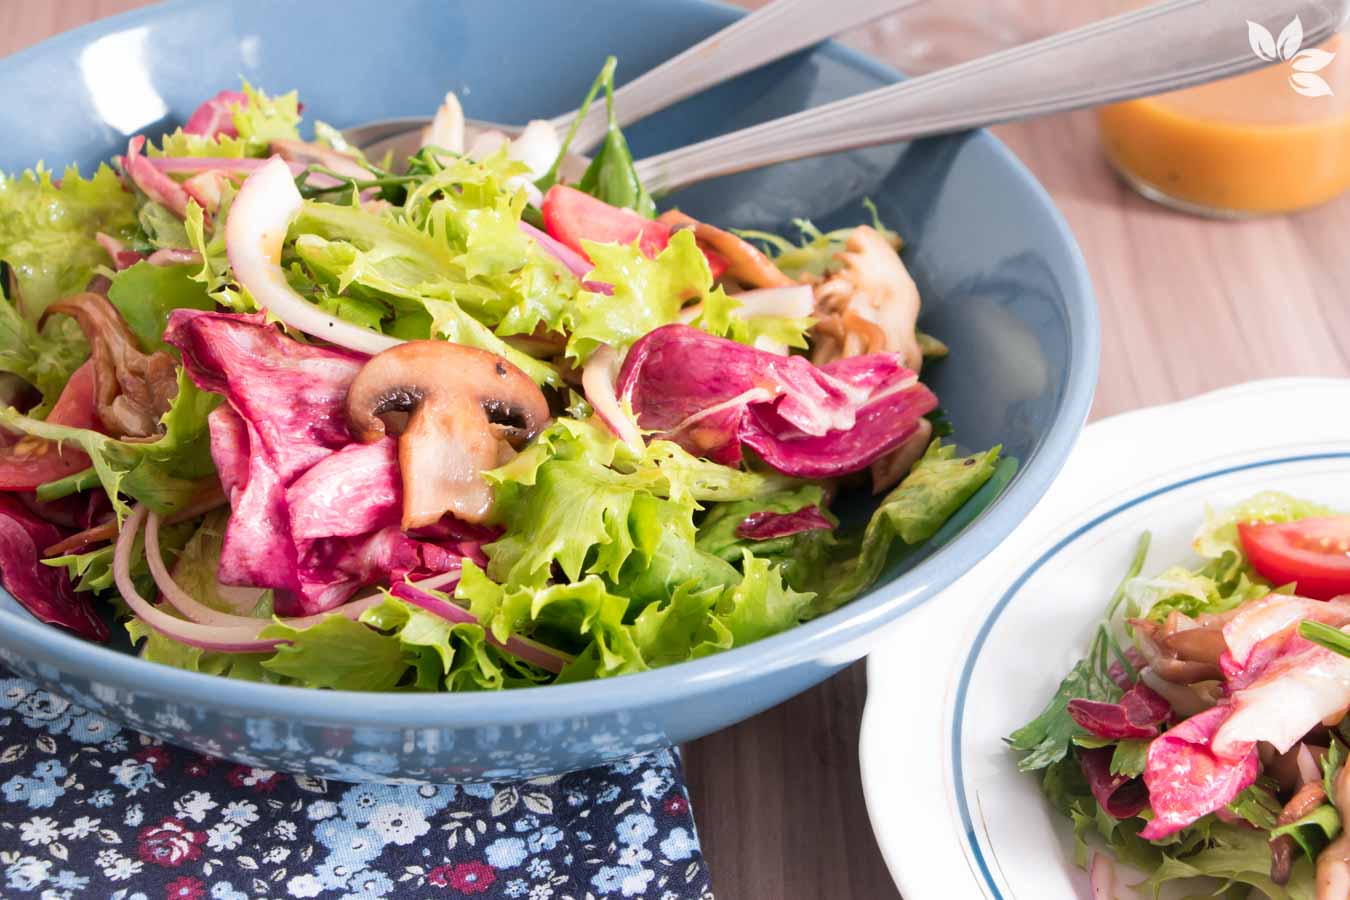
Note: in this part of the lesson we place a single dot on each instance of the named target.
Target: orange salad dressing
(1246, 145)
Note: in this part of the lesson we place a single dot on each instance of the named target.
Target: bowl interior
(1003, 282)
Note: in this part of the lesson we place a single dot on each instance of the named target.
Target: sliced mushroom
(744, 263)
(1304, 801)
(871, 290)
(132, 390)
(467, 411)
(1150, 638)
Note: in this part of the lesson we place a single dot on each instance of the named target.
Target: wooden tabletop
(1187, 305)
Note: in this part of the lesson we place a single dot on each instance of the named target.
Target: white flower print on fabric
(98, 812)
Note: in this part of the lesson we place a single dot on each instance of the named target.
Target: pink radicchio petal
(293, 394)
(711, 395)
(1120, 795)
(766, 525)
(215, 117)
(44, 591)
(151, 181)
(354, 491)
(122, 258)
(1186, 779)
(1138, 714)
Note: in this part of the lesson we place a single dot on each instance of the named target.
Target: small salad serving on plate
(286, 413)
(1206, 731)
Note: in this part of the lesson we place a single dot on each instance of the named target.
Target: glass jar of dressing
(1272, 141)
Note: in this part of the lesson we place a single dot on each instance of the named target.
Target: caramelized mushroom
(467, 411)
(1304, 801)
(744, 263)
(132, 390)
(872, 290)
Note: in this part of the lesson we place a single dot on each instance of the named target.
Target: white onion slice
(599, 382)
(537, 147)
(254, 233)
(447, 127)
(795, 302)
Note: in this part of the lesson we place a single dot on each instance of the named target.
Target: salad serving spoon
(770, 33)
(1164, 47)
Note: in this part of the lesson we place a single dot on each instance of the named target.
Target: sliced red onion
(184, 602)
(1103, 877)
(194, 164)
(522, 648)
(224, 638)
(306, 154)
(151, 181)
(174, 256)
(599, 378)
(579, 265)
(254, 233)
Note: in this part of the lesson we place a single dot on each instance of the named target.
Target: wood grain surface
(1187, 306)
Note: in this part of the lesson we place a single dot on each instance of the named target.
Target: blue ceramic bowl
(1003, 281)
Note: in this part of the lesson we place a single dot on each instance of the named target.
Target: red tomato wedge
(29, 463)
(1313, 553)
(571, 217)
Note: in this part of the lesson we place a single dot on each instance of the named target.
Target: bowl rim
(805, 642)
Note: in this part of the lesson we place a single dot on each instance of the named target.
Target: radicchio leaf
(313, 513)
(766, 525)
(44, 591)
(712, 395)
(1187, 780)
(1120, 795)
(1137, 715)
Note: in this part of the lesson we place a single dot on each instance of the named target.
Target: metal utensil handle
(769, 33)
(1171, 45)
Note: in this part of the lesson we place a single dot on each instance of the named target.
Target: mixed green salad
(286, 413)
(1205, 733)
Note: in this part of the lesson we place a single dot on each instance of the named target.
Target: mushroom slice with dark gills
(467, 411)
(132, 389)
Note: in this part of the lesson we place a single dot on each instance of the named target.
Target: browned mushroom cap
(1305, 800)
(466, 409)
(132, 390)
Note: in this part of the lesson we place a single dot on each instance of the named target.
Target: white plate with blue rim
(952, 815)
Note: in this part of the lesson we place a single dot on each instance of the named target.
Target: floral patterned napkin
(89, 809)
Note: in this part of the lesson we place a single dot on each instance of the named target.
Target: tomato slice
(571, 216)
(1314, 554)
(28, 463)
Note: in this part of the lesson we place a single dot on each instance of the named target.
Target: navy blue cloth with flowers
(89, 809)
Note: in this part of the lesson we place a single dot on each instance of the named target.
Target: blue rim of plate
(968, 670)
(809, 641)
